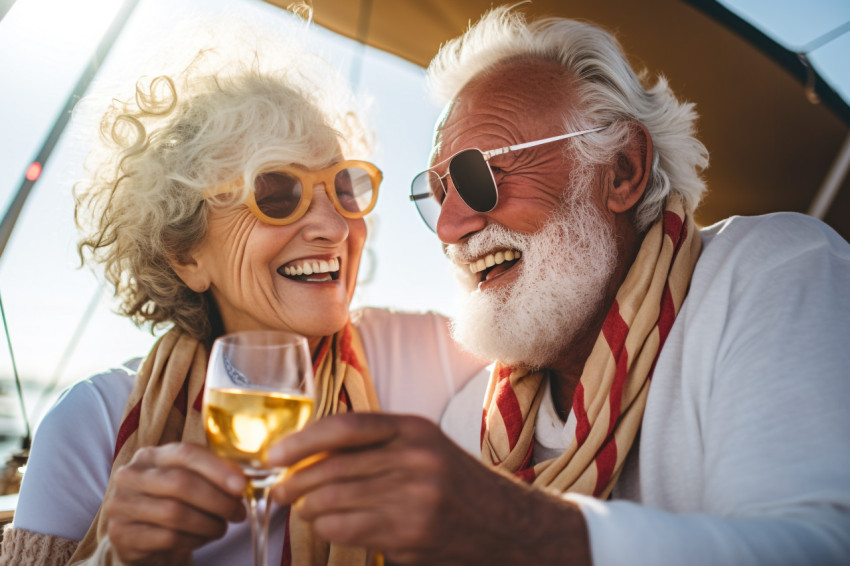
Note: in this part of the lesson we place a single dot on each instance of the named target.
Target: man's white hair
(609, 91)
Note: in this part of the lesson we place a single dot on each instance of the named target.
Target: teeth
(312, 266)
(494, 259)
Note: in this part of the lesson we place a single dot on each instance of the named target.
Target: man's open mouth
(494, 264)
(311, 270)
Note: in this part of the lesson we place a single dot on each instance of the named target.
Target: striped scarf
(165, 406)
(611, 394)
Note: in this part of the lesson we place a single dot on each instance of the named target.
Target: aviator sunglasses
(472, 177)
(283, 195)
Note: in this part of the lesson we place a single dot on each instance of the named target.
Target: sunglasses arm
(493, 152)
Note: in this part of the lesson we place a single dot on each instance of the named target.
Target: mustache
(492, 237)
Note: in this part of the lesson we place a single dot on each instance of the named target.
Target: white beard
(565, 269)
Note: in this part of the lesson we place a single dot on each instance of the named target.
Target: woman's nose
(322, 219)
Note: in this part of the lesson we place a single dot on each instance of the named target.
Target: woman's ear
(628, 174)
(190, 272)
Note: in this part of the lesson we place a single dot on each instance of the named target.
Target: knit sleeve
(104, 555)
(21, 546)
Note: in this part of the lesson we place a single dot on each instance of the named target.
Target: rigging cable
(27, 440)
(69, 351)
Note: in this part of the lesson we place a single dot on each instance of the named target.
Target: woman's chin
(315, 325)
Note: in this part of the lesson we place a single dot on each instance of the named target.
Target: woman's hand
(171, 499)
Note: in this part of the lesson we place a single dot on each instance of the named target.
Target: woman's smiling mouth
(311, 270)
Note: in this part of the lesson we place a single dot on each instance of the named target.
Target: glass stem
(258, 500)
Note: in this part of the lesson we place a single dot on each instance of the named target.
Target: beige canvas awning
(771, 149)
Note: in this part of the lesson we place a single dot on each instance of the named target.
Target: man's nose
(457, 221)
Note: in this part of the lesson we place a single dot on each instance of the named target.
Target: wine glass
(259, 388)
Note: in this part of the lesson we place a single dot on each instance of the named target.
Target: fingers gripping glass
(471, 176)
(282, 196)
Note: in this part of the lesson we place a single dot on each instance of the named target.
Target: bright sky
(44, 46)
(820, 28)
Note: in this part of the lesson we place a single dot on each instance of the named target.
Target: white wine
(242, 423)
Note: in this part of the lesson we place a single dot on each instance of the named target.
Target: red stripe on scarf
(505, 372)
(666, 318)
(483, 425)
(605, 462)
(198, 405)
(128, 427)
(509, 408)
(582, 422)
(346, 352)
(675, 229)
(324, 344)
(615, 330)
(182, 399)
(527, 475)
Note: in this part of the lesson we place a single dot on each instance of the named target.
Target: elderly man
(661, 394)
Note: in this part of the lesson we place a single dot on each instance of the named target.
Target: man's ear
(628, 174)
(190, 272)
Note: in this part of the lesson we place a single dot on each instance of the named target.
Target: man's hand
(169, 500)
(397, 484)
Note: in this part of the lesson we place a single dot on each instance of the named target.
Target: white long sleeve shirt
(744, 451)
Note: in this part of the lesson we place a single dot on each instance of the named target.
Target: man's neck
(565, 372)
(563, 391)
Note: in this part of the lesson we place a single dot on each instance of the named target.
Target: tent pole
(832, 182)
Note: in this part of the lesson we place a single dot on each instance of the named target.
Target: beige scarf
(165, 406)
(611, 395)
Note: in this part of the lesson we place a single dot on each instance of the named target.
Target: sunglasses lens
(473, 180)
(277, 194)
(354, 189)
(427, 192)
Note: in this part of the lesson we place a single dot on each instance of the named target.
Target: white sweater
(415, 366)
(744, 452)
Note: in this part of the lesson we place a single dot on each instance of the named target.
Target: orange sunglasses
(283, 195)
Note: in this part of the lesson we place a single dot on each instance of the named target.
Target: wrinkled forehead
(512, 102)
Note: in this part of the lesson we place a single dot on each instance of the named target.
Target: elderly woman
(222, 201)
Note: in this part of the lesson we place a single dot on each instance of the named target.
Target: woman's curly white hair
(220, 120)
